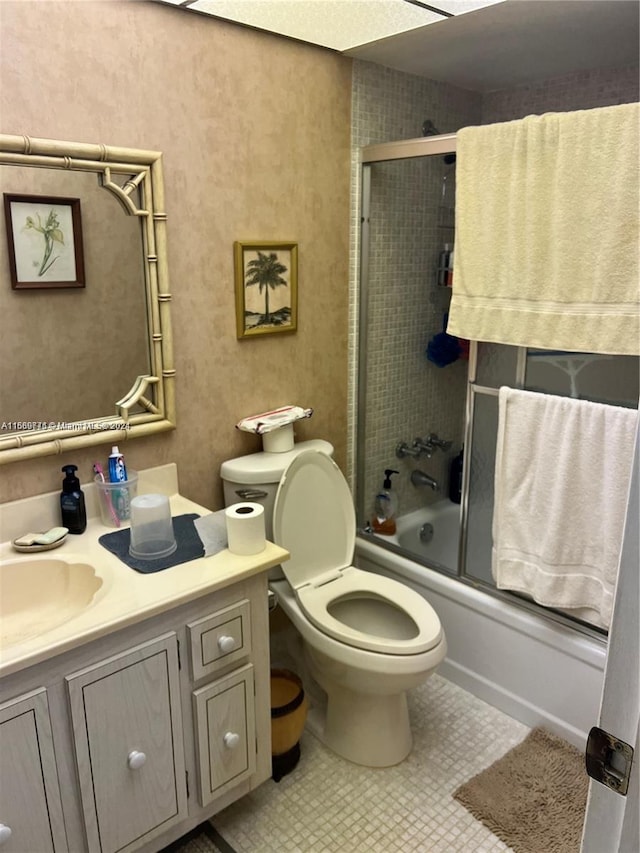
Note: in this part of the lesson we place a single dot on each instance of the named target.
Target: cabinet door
(128, 736)
(30, 808)
(225, 733)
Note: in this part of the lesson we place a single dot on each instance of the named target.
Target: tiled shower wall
(407, 395)
(584, 90)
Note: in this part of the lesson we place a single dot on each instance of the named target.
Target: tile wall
(584, 90)
(407, 396)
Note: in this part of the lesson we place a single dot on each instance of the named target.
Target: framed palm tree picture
(266, 278)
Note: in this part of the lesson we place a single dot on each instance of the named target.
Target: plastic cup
(115, 499)
(152, 535)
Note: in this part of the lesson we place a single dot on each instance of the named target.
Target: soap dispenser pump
(74, 513)
(386, 506)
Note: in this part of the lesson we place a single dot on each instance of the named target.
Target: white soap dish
(31, 542)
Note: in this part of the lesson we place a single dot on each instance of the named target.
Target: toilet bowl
(366, 639)
(366, 719)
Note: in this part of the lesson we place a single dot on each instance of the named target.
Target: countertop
(125, 596)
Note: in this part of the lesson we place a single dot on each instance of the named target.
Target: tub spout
(419, 478)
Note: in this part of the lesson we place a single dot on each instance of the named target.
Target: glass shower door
(407, 221)
(602, 378)
(492, 365)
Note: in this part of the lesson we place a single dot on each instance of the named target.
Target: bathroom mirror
(90, 364)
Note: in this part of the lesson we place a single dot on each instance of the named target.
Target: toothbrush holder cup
(115, 499)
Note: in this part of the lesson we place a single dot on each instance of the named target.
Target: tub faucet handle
(434, 441)
(403, 450)
(423, 447)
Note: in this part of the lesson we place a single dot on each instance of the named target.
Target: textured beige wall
(42, 329)
(255, 134)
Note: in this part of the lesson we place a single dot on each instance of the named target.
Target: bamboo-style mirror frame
(154, 393)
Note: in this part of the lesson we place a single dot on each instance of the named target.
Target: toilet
(367, 639)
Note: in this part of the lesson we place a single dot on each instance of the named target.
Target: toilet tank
(256, 476)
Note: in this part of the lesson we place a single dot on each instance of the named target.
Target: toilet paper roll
(245, 528)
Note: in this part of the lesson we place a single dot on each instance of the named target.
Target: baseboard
(509, 703)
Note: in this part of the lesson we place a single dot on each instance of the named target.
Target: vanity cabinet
(127, 728)
(130, 741)
(30, 807)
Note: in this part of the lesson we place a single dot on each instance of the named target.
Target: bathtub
(537, 670)
(443, 519)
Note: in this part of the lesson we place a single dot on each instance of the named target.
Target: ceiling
(336, 24)
(482, 45)
(515, 42)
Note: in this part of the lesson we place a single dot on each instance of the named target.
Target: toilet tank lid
(265, 467)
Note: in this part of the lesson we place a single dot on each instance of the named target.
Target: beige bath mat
(534, 797)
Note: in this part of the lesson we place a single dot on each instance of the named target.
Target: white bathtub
(537, 670)
(442, 548)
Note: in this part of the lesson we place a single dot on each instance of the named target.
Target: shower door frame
(371, 155)
(406, 149)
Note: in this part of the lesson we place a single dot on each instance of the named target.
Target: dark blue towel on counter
(189, 546)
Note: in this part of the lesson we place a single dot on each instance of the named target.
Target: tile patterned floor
(202, 839)
(328, 805)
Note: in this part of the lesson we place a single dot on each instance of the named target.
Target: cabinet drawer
(220, 639)
(128, 737)
(30, 807)
(225, 733)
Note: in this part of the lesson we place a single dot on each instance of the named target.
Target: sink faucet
(419, 478)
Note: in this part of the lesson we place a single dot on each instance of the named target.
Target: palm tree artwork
(266, 271)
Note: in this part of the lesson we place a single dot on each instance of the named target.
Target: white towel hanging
(561, 488)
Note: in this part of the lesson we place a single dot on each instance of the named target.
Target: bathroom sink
(38, 595)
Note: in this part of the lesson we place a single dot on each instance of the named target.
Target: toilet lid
(314, 518)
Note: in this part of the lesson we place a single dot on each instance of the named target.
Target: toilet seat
(314, 519)
(352, 583)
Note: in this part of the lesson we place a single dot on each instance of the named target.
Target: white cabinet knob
(136, 759)
(5, 833)
(231, 740)
(226, 644)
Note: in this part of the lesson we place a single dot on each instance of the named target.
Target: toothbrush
(97, 467)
